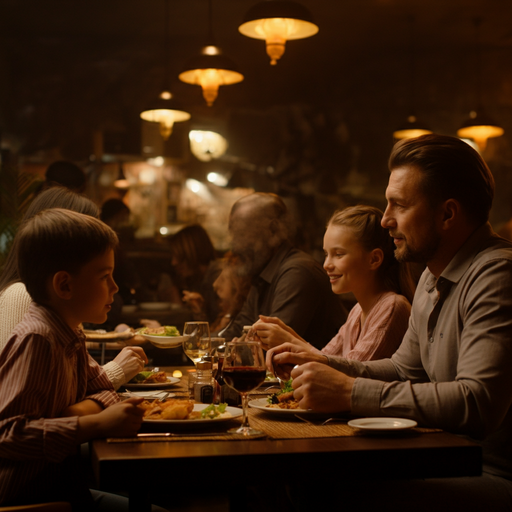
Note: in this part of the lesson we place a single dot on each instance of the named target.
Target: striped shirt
(44, 368)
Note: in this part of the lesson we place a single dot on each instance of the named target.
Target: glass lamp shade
(166, 113)
(206, 145)
(411, 129)
(277, 22)
(480, 128)
(210, 72)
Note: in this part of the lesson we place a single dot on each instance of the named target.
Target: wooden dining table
(139, 467)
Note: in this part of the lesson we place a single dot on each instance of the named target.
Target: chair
(57, 506)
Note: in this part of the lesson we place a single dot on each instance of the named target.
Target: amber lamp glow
(480, 128)
(277, 22)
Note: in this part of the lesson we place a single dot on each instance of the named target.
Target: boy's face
(93, 289)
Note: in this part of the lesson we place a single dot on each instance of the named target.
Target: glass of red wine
(244, 370)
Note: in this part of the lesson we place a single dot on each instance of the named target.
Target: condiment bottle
(204, 384)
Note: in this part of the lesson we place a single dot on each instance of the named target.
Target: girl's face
(347, 263)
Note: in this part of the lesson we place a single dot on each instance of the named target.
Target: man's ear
(451, 211)
(61, 284)
(376, 258)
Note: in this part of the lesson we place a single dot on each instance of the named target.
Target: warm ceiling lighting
(480, 128)
(210, 70)
(413, 128)
(165, 113)
(207, 145)
(276, 22)
(121, 181)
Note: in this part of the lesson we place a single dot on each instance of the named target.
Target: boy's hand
(119, 420)
(132, 361)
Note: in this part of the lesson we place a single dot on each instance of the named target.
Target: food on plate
(164, 330)
(149, 377)
(284, 399)
(177, 409)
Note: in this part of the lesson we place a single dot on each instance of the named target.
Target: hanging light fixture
(210, 69)
(479, 127)
(165, 110)
(413, 127)
(278, 21)
(121, 181)
(207, 145)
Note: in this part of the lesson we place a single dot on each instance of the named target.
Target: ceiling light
(210, 69)
(411, 129)
(217, 179)
(276, 22)
(121, 181)
(207, 145)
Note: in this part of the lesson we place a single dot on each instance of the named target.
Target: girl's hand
(272, 335)
(280, 323)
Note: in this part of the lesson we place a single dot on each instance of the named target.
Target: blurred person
(54, 395)
(15, 301)
(452, 370)
(195, 263)
(65, 174)
(359, 259)
(231, 289)
(286, 283)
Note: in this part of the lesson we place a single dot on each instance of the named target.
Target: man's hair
(56, 240)
(451, 169)
(272, 207)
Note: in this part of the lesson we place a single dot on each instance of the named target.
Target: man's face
(410, 218)
(249, 239)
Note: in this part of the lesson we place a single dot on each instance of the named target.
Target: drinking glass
(217, 352)
(244, 370)
(197, 340)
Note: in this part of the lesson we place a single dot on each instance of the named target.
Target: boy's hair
(56, 240)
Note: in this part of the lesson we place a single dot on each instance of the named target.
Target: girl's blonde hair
(365, 221)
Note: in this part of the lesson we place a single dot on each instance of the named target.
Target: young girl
(359, 259)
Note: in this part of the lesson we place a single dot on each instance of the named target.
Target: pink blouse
(381, 335)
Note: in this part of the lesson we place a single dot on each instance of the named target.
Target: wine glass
(197, 340)
(244, 370)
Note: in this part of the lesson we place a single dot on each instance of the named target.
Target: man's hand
(272, 335)
(283, 358)
(132, 361)
(321, 388)
(120, 420)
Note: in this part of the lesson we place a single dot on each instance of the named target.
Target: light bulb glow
(166, 119)
(206, 145)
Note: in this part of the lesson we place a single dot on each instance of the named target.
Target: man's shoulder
(493, 249)
(295, 258)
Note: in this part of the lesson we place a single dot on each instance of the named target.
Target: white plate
(261, 403)
(152, 385)
(165, 341)
(157, 394)
(235, 413)
(154, 306)
(382, 424)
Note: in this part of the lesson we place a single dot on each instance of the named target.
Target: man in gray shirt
(453, 369)
(286, 283)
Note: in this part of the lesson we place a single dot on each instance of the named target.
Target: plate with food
(180, 412)
(151, 380)
(382, 424)
(166, 336)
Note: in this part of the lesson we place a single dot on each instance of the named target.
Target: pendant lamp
(413, 127)
(121, 181)
(278, 21)
(210, 69)
(165, 110)
(479, 127)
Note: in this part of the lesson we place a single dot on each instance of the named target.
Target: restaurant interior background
(316, 128)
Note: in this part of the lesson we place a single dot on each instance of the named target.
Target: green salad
(213, 411)
(141, 376)
(272, 399)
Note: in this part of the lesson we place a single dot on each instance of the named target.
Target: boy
(54, 395)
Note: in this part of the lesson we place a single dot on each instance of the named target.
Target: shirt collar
(273, 266)
(462, 259)
(72, 340)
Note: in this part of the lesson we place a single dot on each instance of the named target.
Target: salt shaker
(204, 383)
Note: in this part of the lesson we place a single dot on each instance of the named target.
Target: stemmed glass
(244, 370)
(197, 340)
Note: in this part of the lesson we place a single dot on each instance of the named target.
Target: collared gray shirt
(295, 288)
(453, 369)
